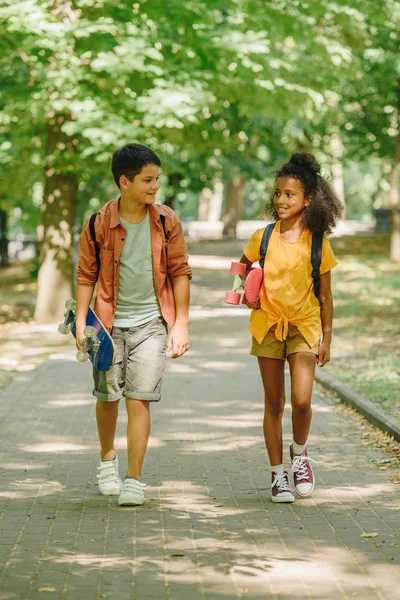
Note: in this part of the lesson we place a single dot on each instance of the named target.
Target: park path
(208, 529)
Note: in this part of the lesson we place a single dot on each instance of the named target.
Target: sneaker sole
(287, 500)
(130, 503)
(308, 493)
(110, 493)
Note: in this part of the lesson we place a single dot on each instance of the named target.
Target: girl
(288, 319)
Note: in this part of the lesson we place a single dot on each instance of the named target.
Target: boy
(142, 285)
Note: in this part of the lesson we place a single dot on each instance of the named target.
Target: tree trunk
(55, 281)
(204, 204)
(394, 206)
(337, 167)
(3, 239)
(234, 205)
(215, 206)
(210, 203)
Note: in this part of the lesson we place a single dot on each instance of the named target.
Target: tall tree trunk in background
(394, 206)
(55, 282)
(337, 167)
(3, 239)
(210, 203)
(215, 206)
(234, 205)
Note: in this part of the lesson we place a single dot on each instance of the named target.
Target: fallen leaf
(177, 554)
(47, 589)
(369, 535)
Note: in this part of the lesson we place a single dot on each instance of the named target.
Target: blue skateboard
(98, 346)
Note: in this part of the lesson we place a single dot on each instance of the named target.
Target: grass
(366, 347)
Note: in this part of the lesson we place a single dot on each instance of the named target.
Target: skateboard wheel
(238, 268)
(64, 329)
(89, 331)
(253, 285)
(70, 304)
(232, 297)
(82, 356)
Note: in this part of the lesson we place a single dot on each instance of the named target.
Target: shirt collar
(114, 220)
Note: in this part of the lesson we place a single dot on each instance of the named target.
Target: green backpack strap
(316, 258)
(93, 235)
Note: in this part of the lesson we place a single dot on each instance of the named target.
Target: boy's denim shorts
(139, 364)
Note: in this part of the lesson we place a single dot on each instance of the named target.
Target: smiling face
(144, 186)
(289, 199)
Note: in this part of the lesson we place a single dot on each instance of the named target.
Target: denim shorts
(139, 364)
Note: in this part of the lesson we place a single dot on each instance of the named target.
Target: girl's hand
(324, 354)
(255, 306)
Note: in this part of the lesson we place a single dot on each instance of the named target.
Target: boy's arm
(84, 294)
(179, 335)
(326, 318)
(86, 277)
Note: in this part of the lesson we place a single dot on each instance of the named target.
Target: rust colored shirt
(169, 255)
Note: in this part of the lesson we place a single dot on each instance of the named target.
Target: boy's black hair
(325, 208)
(131, 159)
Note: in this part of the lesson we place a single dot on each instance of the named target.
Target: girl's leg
(302, 370)
(107, 415)
(273, 377)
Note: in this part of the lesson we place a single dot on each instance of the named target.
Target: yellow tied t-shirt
(287, 294)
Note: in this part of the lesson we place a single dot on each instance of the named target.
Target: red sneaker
(303, 475)
(280, 490)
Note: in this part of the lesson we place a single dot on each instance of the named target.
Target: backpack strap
(162, 217)
(316, 257)
(93, 235)
(264, 243)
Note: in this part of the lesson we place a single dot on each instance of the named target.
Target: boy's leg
(138, 432)
(107, 416)
(144, 372)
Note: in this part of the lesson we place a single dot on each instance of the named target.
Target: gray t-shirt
(137, 302)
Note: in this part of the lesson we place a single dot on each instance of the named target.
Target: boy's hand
(324, 354)
(178, 340)
(79, 334)
(255, 306)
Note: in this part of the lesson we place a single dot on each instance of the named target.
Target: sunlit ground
(208, 528)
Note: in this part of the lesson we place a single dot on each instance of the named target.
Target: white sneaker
(132, 493)
(110, 483)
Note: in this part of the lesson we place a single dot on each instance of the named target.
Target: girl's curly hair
(325, 209)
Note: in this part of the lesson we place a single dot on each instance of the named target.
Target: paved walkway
(208, 529)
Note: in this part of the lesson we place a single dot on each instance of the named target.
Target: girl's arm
(326, 318)
(249, 264)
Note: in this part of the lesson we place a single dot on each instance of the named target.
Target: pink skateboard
(244, 287)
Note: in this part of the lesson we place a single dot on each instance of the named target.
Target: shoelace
(299, 465)
(282, 482)
(108, 472)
